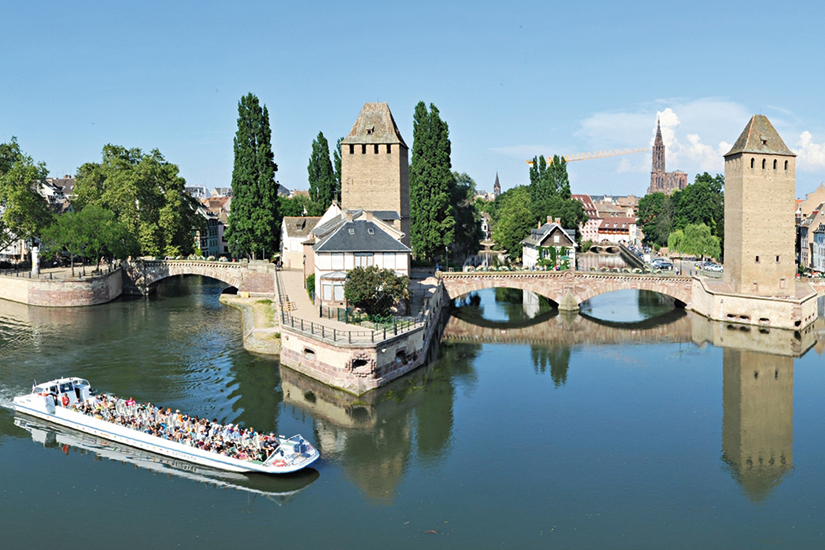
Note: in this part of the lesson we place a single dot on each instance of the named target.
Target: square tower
(760, 184)
(375, 173)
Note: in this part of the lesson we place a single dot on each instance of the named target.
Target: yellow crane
(595, 155)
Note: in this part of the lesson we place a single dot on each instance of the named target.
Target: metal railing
(79, 275)
(386, 332)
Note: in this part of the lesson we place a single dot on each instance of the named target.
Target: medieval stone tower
(760, 184)
(757, 422)
(375, 172)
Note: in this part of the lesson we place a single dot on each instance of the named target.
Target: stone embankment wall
(362, 366)
(260, 332)
(88, 291)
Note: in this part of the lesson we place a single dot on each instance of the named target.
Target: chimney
(539, 225)
(549, 219)
(348, 215)
(368, 214)
(558, 220)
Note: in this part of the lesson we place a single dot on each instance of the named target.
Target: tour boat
(61, 401)
(279, 489)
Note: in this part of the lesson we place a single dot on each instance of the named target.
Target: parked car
(716, 268)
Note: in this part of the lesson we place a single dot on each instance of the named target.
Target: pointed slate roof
(759, 136)
(375, 125)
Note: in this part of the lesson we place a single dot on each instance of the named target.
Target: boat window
(53, 389)
(65, 387)
(38, 389)
(81, 383)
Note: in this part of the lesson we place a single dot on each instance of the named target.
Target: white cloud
(810, 155)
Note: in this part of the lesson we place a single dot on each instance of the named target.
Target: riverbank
(57, 288)
(259, 322)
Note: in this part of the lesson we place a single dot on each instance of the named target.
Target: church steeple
(658, 150)
(496, 187)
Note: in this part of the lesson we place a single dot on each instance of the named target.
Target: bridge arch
(568, 288)
(143, 274)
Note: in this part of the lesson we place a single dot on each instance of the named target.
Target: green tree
(699, 241)
(336, 160)
(432, 225)
(322, 185)
(374, 290)
(93, 232)
(675, 239)
(467, 218)
(146, 194)
(651, 208)
(514, 221)
(23, 211)
(254, 222)
(299, 205)
(550, 193)
(703, 202)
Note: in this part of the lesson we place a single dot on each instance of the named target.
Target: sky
(512, 79)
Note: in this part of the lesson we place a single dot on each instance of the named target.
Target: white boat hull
(127, 436)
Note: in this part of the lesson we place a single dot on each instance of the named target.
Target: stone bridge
(255, 277)
(568, 289)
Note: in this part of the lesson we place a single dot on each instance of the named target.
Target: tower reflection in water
(374, 436)
(757, 424)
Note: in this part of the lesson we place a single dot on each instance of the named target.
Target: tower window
(763, 164)
(375, 149)
(774, 164)
(363, 148)
(786, 165)
(752, 163)
(351, 149)
(389, 148)
(777, 259)
(757, 259)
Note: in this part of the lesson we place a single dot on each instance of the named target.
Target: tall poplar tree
(254, 220)
(432, 225)
(337, 162)
(322, 189)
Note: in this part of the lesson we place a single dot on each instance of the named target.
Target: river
(624, 427)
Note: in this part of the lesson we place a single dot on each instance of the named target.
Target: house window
(389, 148)
(327, 291)
(555, 238)
(338, 292)
(363, 260)
(337, 260)
(389, 261)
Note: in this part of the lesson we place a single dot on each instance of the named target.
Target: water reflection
(375, 436)
(280, 489)
(757, 426)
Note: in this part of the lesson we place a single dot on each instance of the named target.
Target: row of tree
(129, 203)
(700, 203)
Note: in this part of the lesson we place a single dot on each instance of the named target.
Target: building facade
(660, 180)
(537, 246)
(818, 249)
(375, 173)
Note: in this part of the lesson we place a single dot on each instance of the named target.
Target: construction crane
(595, 155)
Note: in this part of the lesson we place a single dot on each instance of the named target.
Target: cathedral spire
(496, 187)
(658, 150)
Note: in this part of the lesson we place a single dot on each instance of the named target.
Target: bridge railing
(556, 274)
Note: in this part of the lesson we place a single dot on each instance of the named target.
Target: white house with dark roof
(294, 231)
(551, 234)
(355, 238)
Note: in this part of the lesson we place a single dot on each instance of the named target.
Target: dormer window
(370, 131)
